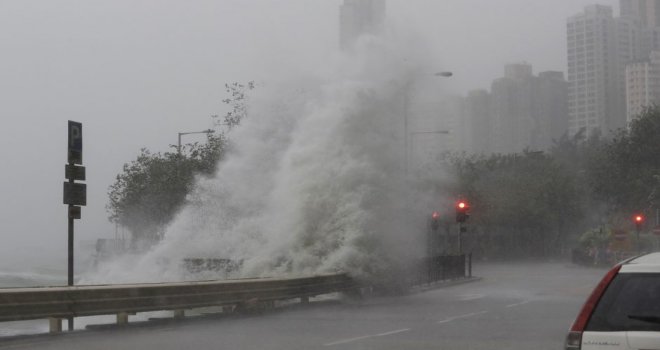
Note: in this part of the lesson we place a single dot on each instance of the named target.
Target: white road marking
(348, 340)
(393, 332)
(518, 304)
(344, 341)
(461, 316)
(471, 297)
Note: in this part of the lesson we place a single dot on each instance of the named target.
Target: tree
(626, 172)
(151, 189)
(237, 101)
(523, 204)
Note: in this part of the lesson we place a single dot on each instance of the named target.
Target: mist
(136, 73)
(315, 182)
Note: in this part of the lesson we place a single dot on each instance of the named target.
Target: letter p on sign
(75, 143)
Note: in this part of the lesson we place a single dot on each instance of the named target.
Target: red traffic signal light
(639, 220)
(435, 224)
(462, 208)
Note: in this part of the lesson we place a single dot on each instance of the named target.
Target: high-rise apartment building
(479, 124)
(600, 47)
(646, 11)
(644, 18)
(642, 85)
(526, 111)
(594, 80)
(550, 101)
(511, 108)
(358, 17)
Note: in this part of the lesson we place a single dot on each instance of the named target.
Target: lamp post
(209, 131)
(406, 136)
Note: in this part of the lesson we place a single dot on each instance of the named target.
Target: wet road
(523, 306)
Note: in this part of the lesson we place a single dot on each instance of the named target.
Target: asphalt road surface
(514, 306)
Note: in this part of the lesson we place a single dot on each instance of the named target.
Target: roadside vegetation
(578, 194)
(151, 189)
(575, 195)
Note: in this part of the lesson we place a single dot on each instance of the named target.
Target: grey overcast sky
(137, 72)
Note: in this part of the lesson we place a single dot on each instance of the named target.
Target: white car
(623, 311)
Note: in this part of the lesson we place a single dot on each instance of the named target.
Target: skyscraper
(358, 17)
(528, 111)
(550, 101)
(479, 122)
(642, 85)
(511, 105)
(595, 75)
(646, 11)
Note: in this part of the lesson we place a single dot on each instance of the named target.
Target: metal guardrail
(57, 303)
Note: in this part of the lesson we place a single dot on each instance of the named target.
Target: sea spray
(315, 182)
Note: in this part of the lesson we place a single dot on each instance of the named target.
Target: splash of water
(315, 183)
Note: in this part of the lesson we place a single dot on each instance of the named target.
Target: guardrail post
(179, 313)
(122, 318)
(304, 300)
(55, 324)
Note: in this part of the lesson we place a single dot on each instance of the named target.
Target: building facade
(522, 111)
(550, 103)
(359, 17)
(642, 85)
(595, 96)
(610, 68)
(511, 108)
(479, 124)
(527, 111)
(646, 11)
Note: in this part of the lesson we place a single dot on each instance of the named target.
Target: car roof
(644, 263)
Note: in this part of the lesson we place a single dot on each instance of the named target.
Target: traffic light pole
(460, 242)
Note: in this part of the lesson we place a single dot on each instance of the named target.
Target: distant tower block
(359, 17)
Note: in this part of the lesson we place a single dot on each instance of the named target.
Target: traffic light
(462, 208)
(435, 223)
(639, 221)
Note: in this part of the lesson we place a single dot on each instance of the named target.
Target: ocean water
(33, 277)
(44, 277)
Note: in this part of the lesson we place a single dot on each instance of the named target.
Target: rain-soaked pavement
(514, 306)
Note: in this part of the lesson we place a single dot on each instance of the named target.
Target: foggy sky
(137, 72)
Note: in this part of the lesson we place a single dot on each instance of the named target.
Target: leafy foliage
(521, 203)
(534, 203)
(237, 102)
(626, 173)
(150, 190)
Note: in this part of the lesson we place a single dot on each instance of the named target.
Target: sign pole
(75, 194)
(70, 265)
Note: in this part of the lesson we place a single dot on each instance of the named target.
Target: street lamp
(209, 131)
(406, 136)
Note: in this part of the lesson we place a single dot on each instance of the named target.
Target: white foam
(315, 182)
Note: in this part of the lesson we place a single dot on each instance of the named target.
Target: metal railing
(57, 303)
(441, 268)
